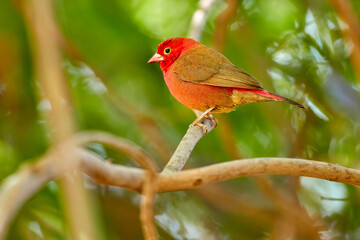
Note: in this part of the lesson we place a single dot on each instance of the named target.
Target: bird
(205, 80)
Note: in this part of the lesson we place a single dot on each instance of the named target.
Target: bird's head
(170, 49)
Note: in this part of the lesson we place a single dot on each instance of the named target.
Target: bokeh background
(303, 50)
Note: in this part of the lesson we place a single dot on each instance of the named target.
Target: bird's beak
(156, 58)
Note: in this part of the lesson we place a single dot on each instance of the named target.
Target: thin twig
(145, 161)
(344, 9)
(222, 23)
(123, 145)
(199, 19)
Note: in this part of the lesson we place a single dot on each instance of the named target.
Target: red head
(170, 49)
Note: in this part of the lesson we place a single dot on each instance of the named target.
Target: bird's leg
(205, 114)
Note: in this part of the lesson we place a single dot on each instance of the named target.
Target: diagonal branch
(186, 146)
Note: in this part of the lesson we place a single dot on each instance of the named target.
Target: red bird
(205, 80)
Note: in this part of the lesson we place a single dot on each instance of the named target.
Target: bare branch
(67, 156)
(186, 146)
(193, 178)
(140, 156)
(20, 186)
(107, 173)
(147, 206)
(123, 145)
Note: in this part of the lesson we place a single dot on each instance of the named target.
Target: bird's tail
(276, 97)
(266, 96)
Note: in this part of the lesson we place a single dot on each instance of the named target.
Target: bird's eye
(167, 50)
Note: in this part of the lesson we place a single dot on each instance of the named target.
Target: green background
(295, 48)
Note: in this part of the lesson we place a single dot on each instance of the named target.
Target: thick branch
(249, 167)
(189, 179)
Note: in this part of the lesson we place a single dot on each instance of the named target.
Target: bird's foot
(211, 118)
(200, 125)
(200, 121)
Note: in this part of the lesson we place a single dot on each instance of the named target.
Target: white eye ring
(167, 50)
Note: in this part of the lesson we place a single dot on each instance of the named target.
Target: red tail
(272, 96)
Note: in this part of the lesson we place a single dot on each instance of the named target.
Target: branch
(147, 206)
(107, 173)
(145, 161)
(122, 145)
(23, 184)
(186, 146)
(65, 157)
(194, 178)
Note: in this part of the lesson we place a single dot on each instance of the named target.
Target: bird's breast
(199, 96)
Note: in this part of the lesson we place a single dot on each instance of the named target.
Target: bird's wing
(206, 66)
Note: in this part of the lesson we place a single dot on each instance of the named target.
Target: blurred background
(307, 51)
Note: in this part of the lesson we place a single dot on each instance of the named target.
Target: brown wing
(202, 66)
